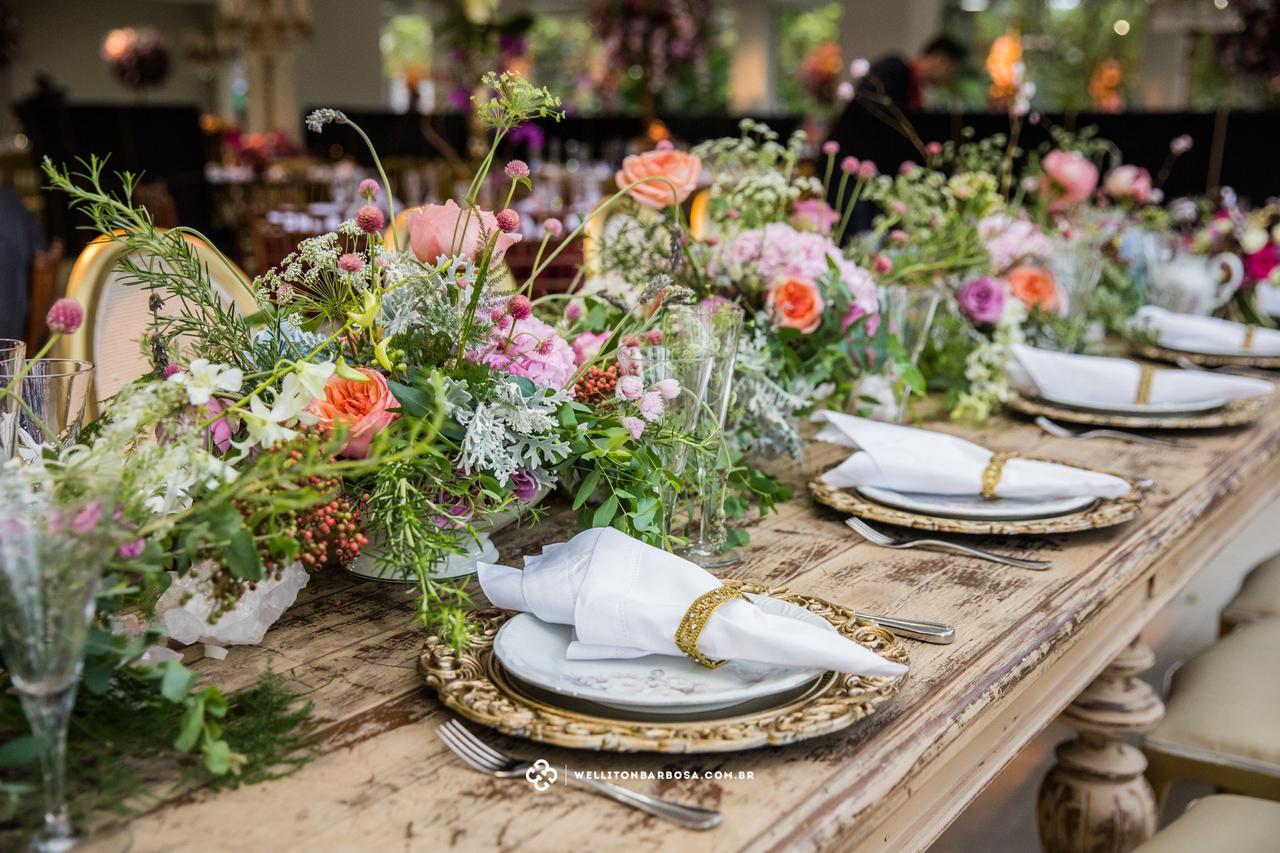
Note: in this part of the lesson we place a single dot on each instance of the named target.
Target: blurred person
(904, 80)
(20, 239)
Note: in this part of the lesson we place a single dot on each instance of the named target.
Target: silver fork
(483, 758)
(1057, 429)
(875, 537)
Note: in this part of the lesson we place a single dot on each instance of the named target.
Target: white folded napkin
(906, 459)
(1193, 333)
(625, 599)
(1097, 379)
(1268, 298)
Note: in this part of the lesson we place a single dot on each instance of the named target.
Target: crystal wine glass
(712, 327)
(56, 532)
(13, 354)
(53, 398)
(908, 311)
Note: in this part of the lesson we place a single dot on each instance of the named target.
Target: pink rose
(362, 407)
(1068, 178)
(1258, 265)
(587, 344)
(220, 431)
(982, 299)
(437, 229)
(814, 214)
(651, 405)
(1129, 182)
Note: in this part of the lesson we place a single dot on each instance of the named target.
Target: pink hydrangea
(587, 344)
(532, 350)
(1009, 240)
(814, 214)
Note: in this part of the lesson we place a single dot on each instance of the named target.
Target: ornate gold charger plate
(474, 685)
(1107, 512)
(1267, 362)
(1234, 413)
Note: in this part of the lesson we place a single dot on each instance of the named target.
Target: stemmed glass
(712, 327)
(908, 312)
(1076, 265)
(13, 354)
(681, 414)
(56, 533)
(51, 407)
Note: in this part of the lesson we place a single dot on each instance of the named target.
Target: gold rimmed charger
(474, 685)
(1205, 359)
(1105, 512)
(1234, 413)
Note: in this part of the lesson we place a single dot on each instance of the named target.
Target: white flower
(312, 377)
(1253, 240)
(265, 426)
(844, 91)
(859, 68)
(202, 378)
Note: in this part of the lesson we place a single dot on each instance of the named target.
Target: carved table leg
(1095, 799)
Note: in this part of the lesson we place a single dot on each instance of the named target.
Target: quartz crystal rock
(185, 607)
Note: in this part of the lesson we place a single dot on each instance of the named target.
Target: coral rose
(362, 407)
(795, 303)
(1035, 288)
(437, 229)
(679, 167)
(1069, 178)
(1129, 182)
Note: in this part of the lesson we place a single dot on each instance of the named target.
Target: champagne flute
(908, 311)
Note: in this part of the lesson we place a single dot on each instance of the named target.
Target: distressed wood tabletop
(1027, 642)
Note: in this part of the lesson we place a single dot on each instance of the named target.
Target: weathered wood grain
(1027, 643)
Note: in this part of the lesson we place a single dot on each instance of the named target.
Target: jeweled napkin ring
(991, 474)
(695, 619)
(1143, 395)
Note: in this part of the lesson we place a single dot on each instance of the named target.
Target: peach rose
(681, 168)
(436, 229)
(795, 303)
(361, 406)
(1069, 177)
(1035, 287)
(1129, 182)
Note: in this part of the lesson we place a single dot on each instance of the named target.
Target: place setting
(928, 480)
(1201, 340)
(1125, 394)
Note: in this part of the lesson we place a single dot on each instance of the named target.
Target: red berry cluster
(329, 534)
(596, 385)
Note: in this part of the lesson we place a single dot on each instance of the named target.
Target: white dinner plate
(1234, 351)
(976, 507)
(534, 652)
(1163, 409)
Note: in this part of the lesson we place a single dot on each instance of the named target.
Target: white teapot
(1192, 284)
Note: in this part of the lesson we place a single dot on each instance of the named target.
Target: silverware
(875, 537)
(1232, 369)
(914, 629)
(483, 758)
(1057, 429)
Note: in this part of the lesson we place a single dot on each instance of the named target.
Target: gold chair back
(117, 314)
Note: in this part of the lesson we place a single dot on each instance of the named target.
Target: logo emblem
(541, 775)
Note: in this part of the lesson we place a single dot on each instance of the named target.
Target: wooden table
(1028, 643)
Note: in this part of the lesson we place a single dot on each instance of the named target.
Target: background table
(1027, 644)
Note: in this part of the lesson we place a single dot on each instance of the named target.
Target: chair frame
(99, 259)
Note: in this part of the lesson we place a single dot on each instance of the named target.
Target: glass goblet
(908, 312)
(51, 409)
(54, 540)
(13, 354)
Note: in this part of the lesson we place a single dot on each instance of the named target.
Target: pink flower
(438, 229)
(554, 228)
(983, 300)
(573, 312)
(635, 426)
(831, 148)
(351, 262)
(651, 405)
(1259, 264)
(899, 236)
(1129, 182)
(169, 370)
(131, 550)
(370, 220)
(364, 408)
(630, 387)
(868, 170)
(1180, 144)
(881, 265)
(850, 165)
(87, 519)
(907, 167)
(653, 336)
(587, 344)
(898, 207)
(668, 388)
(516, 169)
(1009, 240)
(368, 189)
(795, 303)
(1068, 178)
(519, 306)
(859, 68)
(934, 149)
(524, 485)
(508, 220)
(814, 214)
(678, 170)
(220, 430)
(65, 316)
(531, 349)
(856, 313)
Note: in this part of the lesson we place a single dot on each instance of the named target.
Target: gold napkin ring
(1248, 337)
(1143, 395)
(991, 475)
(695, 619)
